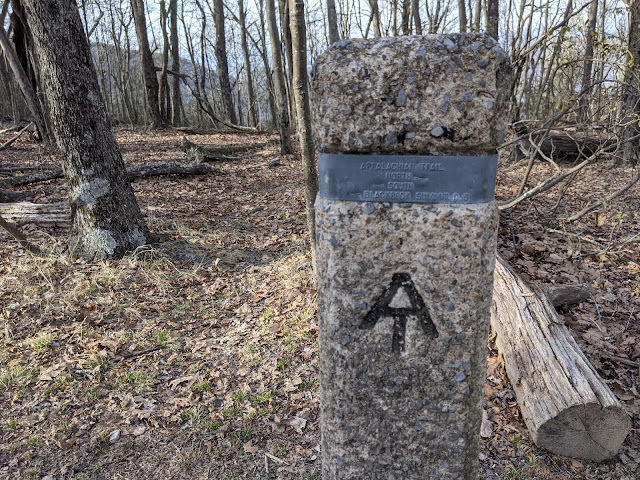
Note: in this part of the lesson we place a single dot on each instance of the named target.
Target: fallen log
(171, 168)
(562, 295)
(566, 143)
(30, 178)
(21, 213)
(9, 196)
(567, 407)
(199, 153)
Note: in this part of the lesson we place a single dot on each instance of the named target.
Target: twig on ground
(591, 207)
(22, 239)
(138, 353)
(8, 143)
(271, 163)
(622, 360)
(546, 185)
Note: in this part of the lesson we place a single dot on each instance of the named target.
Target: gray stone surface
(414, 414)
(420, 95)
(404, 289)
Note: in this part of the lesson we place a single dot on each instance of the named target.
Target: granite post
(407, 128)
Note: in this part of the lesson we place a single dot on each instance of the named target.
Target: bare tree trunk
(267, 68)
(631, 132)
(23, 82)
(163, 90)
(588, 61)
(436, 17)
(281, 92)
(462, 16)
(394, 17)
(493, 18)
(6, 80)
(148, 67)
(406, 17)
(176, 97)
(107, 221)
(285, 24)
(477, 16)
(222, 66)
(301, 94)
(251, 98)
(415, 9)
(375, 17)
(332, 19)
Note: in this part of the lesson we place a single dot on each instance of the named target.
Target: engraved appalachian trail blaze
(417, 308)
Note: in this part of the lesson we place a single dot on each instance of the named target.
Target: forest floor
(197, 357)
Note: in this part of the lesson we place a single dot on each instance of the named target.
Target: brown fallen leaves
(202, 351)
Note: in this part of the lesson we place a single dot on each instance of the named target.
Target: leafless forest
(180, 340)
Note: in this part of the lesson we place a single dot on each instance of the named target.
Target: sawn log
(567, 407)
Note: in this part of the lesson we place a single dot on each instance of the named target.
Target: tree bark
(493, 18)
(332, 19)
(21, 78)
(176, 96)
(148, 67)
(163, 84)
(568, 408)
(267, 68)
(287, 68)
(462, 16)
(587, 66)
(631, 99)
(406, 17)
(415, 9)
(303, 108)
(222, 66)
(278, 74)
(375, 17)
(251, 98)
(107, 222)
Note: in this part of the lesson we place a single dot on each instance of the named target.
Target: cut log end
(588, 432)
(568, 408)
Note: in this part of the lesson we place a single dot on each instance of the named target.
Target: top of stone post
(429, 95)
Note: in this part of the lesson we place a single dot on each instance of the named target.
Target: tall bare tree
(107, 221)
(587, 67)
(415, 10)
(21, 78)
(251, 98)
(278, 77)
(303, 107)
(148, 67)
(375, 17)
(222, 66)
(163, 84)
(462, 16)
(332, 20)
(630, 91)
(176, 97)
(493, 18)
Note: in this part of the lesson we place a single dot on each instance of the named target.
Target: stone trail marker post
(406, 221)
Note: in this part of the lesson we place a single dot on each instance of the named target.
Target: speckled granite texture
(404, 290)
(419, 95)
